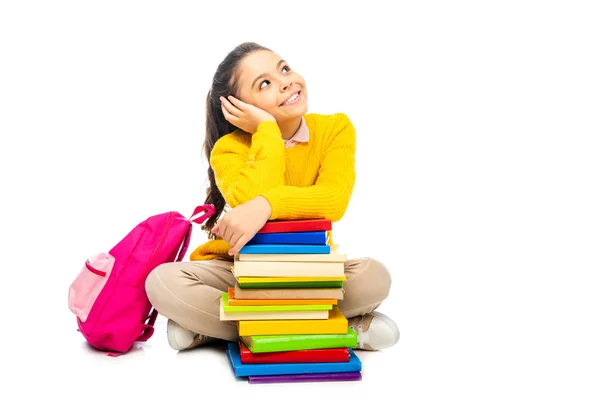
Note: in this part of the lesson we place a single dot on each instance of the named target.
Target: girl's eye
(263, 84)
(285, 69)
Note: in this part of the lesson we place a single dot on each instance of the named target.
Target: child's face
(266, 81)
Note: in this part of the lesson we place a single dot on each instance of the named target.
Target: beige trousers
(189, 292)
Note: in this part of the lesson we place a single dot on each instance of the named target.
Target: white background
(478, 175)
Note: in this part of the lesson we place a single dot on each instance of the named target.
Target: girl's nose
(285, 85)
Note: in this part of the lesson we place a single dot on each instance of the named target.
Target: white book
(287, 268)
(335, 255)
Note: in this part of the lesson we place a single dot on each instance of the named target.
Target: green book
(290, 307)
(274, 343)
(291, 285)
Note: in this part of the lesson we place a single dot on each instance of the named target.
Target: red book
(296, 225)
(296, 356)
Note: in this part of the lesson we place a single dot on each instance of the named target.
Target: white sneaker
(183, 339)
(375, 331)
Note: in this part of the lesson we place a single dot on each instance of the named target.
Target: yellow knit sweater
(309, 180)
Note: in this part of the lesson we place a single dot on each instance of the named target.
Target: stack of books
(285, 302)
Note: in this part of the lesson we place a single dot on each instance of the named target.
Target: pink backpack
(108, 295)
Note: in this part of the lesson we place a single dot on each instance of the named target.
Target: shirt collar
(301, 135)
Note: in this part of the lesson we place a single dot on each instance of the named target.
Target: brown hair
(223, 84)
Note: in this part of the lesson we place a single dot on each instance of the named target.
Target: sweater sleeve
(242, 172)
(330, 195)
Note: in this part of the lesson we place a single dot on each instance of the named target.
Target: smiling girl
(268, 159)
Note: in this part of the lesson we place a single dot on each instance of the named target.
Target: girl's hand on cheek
(245, 116)
(241, 223)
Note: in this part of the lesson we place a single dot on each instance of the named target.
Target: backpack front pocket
(88, 284)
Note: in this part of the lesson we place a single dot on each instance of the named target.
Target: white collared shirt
(301, 136)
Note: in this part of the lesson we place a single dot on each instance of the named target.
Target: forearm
(317, 201)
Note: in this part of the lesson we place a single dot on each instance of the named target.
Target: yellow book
(336, 323)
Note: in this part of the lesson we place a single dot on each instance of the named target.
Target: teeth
(291, 99)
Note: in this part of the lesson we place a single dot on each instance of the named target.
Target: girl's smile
(293, 99)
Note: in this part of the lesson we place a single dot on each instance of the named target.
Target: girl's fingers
(237, 103)
(228, 116)
(233, 110)
(235, 248)
(234, 239)
(225, 233)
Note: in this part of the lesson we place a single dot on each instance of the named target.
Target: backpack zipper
(143, 277)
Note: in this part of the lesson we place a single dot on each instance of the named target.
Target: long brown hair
(223, 84)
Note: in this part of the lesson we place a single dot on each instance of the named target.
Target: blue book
(315, 237)
(285, 249)
(240, 369)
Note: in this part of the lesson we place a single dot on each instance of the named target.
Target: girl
(268, 159)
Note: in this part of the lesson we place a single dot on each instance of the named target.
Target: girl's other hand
(241, 223)
(245, 116)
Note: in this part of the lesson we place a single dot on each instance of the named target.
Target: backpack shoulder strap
(208, 210)
(148, 327)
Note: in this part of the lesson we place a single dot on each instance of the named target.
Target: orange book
(274, 302)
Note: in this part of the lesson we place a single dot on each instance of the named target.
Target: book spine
(292, 285)
(265, 344)
(300, 356)
(282, 302)
(331, 257)
(275, 315)
(318, 377)
(241, 369)
(292, 327)
(300, 238)
(285, 249)
(278, 293)
(283, 269)
(228, 308)
(296, 226)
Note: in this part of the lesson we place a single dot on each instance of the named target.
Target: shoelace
(361, 337)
